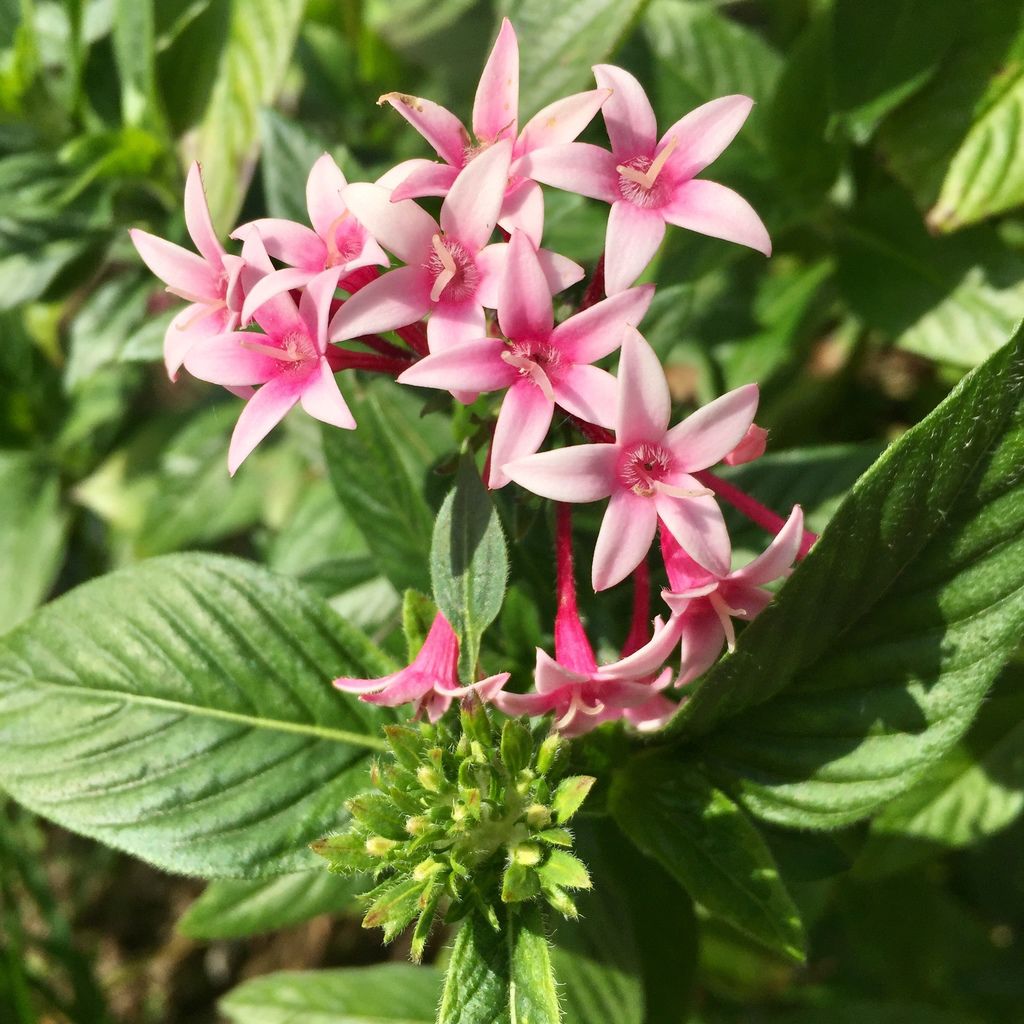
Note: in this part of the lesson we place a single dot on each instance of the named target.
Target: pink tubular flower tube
(651, 182)
(705, 603)
(647, 471)
(540, 364)
(430, 683)
(290, 361)
(336, 239)
(495, 117)
(209, 283)
(451, 271)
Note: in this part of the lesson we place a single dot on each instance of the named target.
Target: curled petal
(192, 326)
(700, 643)
(775, 561)
(441, 128)
(646, 661)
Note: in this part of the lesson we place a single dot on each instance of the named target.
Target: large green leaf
(707, 843)
(874, 657)
(500, 975)
(250, 75)
(181, 710)
(383, 994)
(33, 528)
(135, 52)
(558, 45)
(231, 908)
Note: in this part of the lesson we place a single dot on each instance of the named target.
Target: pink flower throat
(640, 179)
(643, 466)
(452, 269)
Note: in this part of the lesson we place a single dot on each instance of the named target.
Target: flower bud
(527, 854)
(378, 846)
(538, 816)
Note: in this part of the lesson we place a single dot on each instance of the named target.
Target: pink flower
(495, 117)
(290, 361)
(431, 682)
(651, 181)
(451, 271)
(210, 282)
(539, 363)
(647, 470)
(337, 239)
(705, 603)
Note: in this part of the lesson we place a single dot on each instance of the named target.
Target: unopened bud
(429, 778)
(527, 854)
(426, 868)
(538, 816)
(549, 752)
(378, 846)
(417, 824)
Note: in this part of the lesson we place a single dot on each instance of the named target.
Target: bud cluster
(462, 815)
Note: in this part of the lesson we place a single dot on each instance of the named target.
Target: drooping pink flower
(647, 470)
(650, 181)
(430, 683)
(705, 603)
(540, 364)
(451, 271)
(290, 362)
(210, 283)
(336, 239)
(495, 117)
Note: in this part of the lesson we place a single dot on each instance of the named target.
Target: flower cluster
(471, 307)
(464, 814)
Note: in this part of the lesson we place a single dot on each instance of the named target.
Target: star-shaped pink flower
(651, 181)
(647, 470)
(705, 603)
(336, 239)
(430, 683)
(290, 361)
(495, 117)
(540, 364)
(451, 271)
(210, 283)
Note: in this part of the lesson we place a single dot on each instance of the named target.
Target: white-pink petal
(713, 209)
(599, 330)
(627, 531)
(197, 220)
(472, 365)
(574, 167)
(402, 228)
(273, 284)
(261, 414)
(697, 525)
(470, 210)
(560, 122)
(398, 298)
(582, 472)
(700, 644)
(703, 134)
(588, 392)
(633, 236)
(191, 326)
(523, 423)
(323, 194)
(424, 178)
(323, 401)
(525, 311)
(440, 127)
(523, 210)
(226, 360)
(775, 561)
(453, 323)
(496, 105)
(291, 243)
(645, 403)
(627, 113)
(706, 436)
(184, 273)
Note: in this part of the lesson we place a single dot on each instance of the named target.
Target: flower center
(344, 240)
(639, 178)
(453, 270)
(643, 467)
(294, 352)
(535, 361)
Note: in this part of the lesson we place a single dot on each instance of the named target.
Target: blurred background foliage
(886, 155)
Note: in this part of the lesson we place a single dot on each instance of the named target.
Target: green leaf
(884, 51)
(250, 75)
(708, 845)
(289, 152)
(379, 473)
(135, 52)
(500, 976)
(558, 46)
(950, 299)
(382, 994)
(232, 908)
(569, 796)
(894, 626)
(33, 531)
(187, 717)
(468, 562)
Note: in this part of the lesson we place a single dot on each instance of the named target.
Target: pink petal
(515, 704)
(708, 435)
(272, 284)
(323, 401)
(474, 365)
(496, 106)
(398, 298)
(582, 472)
(441, 128)
(185, 273)
(522, 425)
(705, 132)
(291, 243)
(402, 228)
(627, 531)
(550, 676)
(598, 331)
(633, 237)
(588, 392)
(225, 360)
(490, 264)
(525, 311)
(194, 324)
(323, 194)
(645, 404)
(628, 115)
(745, 600)
(715, 210)
(701, 643)
(560, 122)
(315, 305)
(560, 271)
(426, 178)
(648, 659)
(197, 220)
(261, 414)
(470, 210)
(279, 316)
(350, 685)
(698, 526)
(451, 324)
(775, 561)
(752, 446)
(485, 689)
(574, 167)
(523, 210)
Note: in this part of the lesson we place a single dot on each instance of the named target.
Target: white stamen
(450, 269)
(274, 353)
(646, 179)
(535, 372)
(682, 492)
(725, 614)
